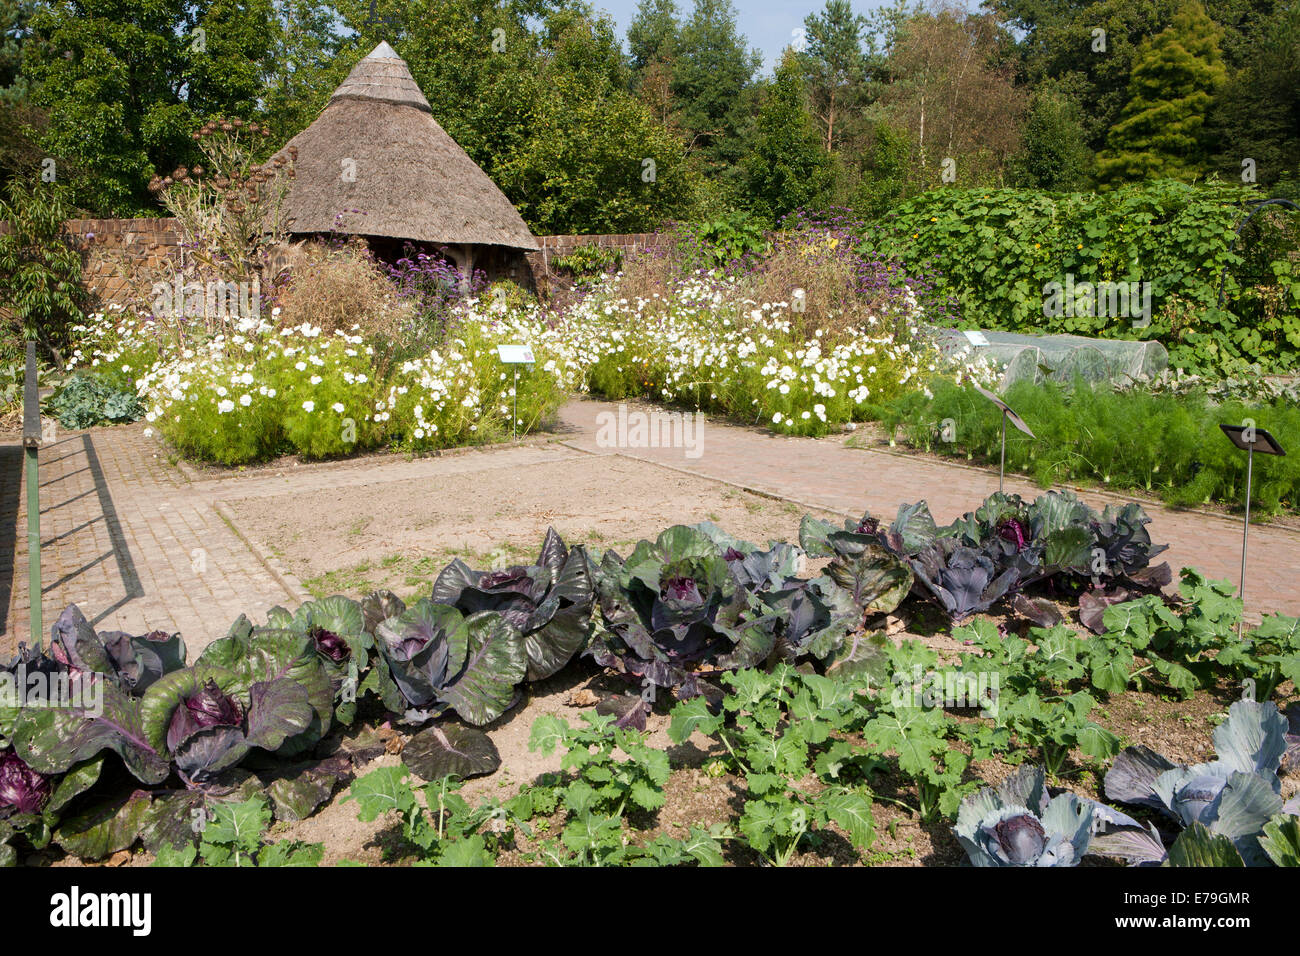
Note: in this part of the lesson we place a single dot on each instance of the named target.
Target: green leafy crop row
(1166, 444)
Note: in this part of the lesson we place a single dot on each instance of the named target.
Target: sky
(766, 24)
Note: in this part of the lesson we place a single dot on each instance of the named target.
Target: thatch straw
(409, 179)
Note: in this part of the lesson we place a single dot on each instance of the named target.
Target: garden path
(825, 473)
(139, 544)
(125, 537)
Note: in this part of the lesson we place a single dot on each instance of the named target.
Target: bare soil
(399, 535)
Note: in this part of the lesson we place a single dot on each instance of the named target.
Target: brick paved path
(137, 545)
(124, 537)
(826, 474)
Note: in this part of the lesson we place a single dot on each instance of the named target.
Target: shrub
(997, 249)
(40, 270)
(336, 288)
(590, 260)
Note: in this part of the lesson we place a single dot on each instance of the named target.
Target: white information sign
(516, 354)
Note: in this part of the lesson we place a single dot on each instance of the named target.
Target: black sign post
(1016, 420)
(1250, 440)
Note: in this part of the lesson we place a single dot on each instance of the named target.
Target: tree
(653, 34)
(15, 16)
(786, 166)
(1055, 155)
(594, 158)
(884, 176)
(303, 66)
(1086, 48)
(125, 83)
(836, 67)
(711, 72)
(652, 52)
(1160, 132)
(1257, 113)
(951, 88)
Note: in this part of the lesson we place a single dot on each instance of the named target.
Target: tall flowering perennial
(704, 342)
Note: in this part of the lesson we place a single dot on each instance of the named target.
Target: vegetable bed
(834, 707)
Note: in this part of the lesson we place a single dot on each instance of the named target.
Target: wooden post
(467, 272)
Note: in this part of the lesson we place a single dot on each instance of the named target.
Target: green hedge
(997, 249)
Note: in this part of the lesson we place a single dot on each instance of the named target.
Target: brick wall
(116, 250)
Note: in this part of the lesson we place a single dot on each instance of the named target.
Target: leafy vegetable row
(255, 709)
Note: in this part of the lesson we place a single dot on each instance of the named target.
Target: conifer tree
(1160, 132)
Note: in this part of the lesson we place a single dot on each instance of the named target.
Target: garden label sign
(515, 355)
(1249, 439)
(1016, 420)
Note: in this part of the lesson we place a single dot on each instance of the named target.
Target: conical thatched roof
(377, 149)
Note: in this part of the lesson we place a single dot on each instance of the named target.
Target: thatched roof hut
(375, 163)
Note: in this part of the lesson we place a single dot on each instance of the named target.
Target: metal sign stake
(1016, 420)
(1249, 438)
(1002, 464)
(515, 355)
(1245, 528)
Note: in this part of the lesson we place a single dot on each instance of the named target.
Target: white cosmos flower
(225, 405)
(338, 407)
(309, 406)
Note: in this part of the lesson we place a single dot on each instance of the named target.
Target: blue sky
(766, 24)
